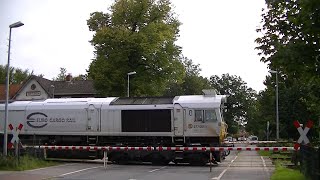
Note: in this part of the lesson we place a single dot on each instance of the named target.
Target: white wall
(32, 94)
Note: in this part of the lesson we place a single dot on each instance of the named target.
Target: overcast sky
(218, 35)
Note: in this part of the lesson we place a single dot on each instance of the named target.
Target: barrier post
(105, 159)
(210, 161)
(45, 153)
(16, 148)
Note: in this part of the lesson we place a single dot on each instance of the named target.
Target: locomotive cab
(199, 121)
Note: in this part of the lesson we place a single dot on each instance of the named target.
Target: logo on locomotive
(40, 120)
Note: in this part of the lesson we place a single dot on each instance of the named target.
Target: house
(13, 89)
(38, 88)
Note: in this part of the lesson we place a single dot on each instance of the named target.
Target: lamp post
(130, 73)
(277, 101)
(5, 139)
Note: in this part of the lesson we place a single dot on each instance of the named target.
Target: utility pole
(277, 102)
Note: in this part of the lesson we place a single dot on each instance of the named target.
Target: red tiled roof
(13, 89)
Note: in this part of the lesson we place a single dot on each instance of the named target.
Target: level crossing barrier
(257, 142)
(160, 148)
(250, 142)
(105, 149)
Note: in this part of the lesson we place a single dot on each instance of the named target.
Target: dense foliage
(140, 35)
(137, 35)
(240, 100)
(192, 83)
(63, 74)
(17, 75)
(290, 45)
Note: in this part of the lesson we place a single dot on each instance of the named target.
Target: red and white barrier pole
(110, 148)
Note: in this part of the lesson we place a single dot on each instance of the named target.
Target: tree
(192, 83)
(257, 121)
(62, 75)
(17, 75)
(240, 99)
(290, 44)
(81, 77)
(137, 35)
(291, 34)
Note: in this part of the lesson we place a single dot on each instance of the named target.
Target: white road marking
(263, 162)
(157, 169)
(73, 172)
(265, 166)
(50, 167)
(224, 171)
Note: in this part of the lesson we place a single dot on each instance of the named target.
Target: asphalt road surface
(238, 165)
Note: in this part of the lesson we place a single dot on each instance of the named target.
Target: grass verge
(11, 163)
(281, 172)
(284, 173)
(264, 153)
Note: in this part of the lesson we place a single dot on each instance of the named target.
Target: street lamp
(277, 101)
(130, 73)
(5, 139)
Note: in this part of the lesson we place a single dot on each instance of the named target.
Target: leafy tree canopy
(240, 99)
(62, 75)
(192, 83)
(291, 34)
(290, 44)
(17, 75)
(137, 35)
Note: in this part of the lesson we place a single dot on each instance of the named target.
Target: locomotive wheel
(198, 163)
(217, 156)
(157, 159)
(198, 160)
(122, 161)
(161, 162)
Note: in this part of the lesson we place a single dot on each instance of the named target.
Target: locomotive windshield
(208, 115)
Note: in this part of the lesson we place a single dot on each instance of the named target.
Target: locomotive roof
(80, 100)
(63, 101)
(198, 101)
(142, 100)
(192, 101)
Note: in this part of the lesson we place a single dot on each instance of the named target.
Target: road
(238, 165)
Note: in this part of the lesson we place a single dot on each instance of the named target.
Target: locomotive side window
(210, 116)
(198, 116)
